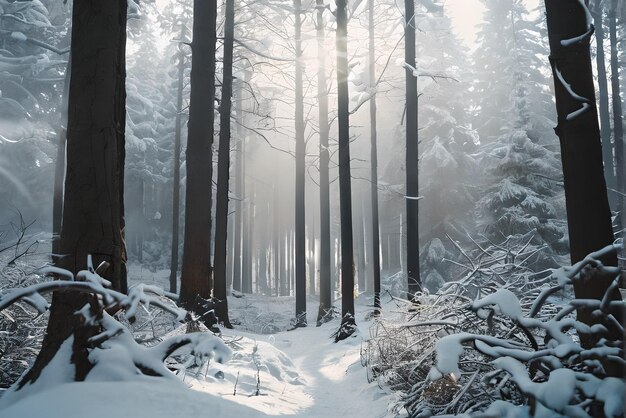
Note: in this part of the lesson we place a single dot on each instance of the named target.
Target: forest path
(302, 373)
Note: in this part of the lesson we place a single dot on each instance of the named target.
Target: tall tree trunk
(223, 170)
(374, 161)
(176, 164)
(239, 178)
(359, 239)
(93, 206)
(196, 271)
(605, 124)
(248, 247)
(345, 188)
(322, 96)
(618, 127)
(412, 173)
(300, 219)
(588, 213)
(59, 168)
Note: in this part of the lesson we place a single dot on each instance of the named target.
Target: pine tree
(521, 192)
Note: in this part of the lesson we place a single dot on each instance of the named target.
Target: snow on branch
(561, 375)
(568, 87)
(514, 351)
(114, 354)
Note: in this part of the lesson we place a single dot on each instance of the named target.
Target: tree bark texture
(223, 170)
(345, 188)
(176, 164)
(196, 270)
(93, 204)
(588, 213)
(603, 100)
(412, 173)
(374, 161)
(322, 96)
(300, 219)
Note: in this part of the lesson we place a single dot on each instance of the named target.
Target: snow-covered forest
(317, 208)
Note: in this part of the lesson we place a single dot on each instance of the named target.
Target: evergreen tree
(521, 191)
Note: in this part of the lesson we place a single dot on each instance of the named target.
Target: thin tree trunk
(300, 219)
(345, 188)
(412, 173)
(246, 279)
(374, 161)
(59, 168)
(605, 124)
(223, 171)
(196, 271)
(239, 178)
(176, 164)
(588, 213)
(359, 240)
(618, 127)
(322, 95)
(93, 206)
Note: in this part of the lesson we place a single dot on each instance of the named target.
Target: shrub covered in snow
(113, 353)
(501, 354)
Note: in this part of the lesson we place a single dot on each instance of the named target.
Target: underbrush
(503, 341)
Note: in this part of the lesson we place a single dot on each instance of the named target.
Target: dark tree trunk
(223, 170)
(300, 230)
(605, 124)
(374, 162)
(176, 164)
(93, 206)
(322, 95)
(238, 222)
(618, 128)
(59, 168)
(412, 173)
(588, 213)
(196, 270)
(345, 188)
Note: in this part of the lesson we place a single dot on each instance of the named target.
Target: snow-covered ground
(297, 373)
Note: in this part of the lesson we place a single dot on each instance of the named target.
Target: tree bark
(223, 170)
(93, 204)
(300, 229)
(345, 188)
(374, 160)
(322, 95)
(605, 124)
(59, 168)
(412, 173)
(588, 213)
(196, 270)
(176, 164)
(618, 127)
(238, 227)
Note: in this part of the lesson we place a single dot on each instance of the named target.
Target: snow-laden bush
(21, 332)
(500, 356)
(113, 353)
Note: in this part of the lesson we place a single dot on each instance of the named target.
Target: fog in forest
(402, 185)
